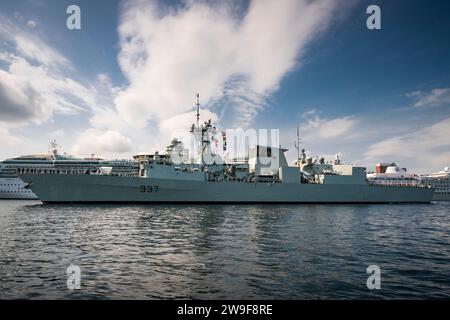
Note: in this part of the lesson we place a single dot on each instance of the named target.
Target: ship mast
(197, 128)
(201, 130)
(297, 146)
(198, 108)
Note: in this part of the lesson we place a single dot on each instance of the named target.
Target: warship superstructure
(265, 177)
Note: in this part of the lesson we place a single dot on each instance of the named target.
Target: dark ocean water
(224, 252)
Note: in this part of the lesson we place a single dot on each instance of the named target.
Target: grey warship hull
(54, 188)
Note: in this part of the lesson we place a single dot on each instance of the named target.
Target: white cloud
(436, 97)
(424, 149)
(31, 24)
(7, 140)
(36, 82)
(56, 134)
(101, 143)
(18, 100)
(168, 54)
(29, 45)
(182, 121)
(316, 127)
(236, 59)
(31, 93)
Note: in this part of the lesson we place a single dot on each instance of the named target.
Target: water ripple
(224, 252)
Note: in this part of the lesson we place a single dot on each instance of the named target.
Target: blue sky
(127, 79)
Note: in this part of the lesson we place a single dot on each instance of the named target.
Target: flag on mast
(224, 139)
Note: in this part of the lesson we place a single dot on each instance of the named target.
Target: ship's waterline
(112, 189)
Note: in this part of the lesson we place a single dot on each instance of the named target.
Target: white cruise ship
(12, 187)
(440, 181)
(390, 174)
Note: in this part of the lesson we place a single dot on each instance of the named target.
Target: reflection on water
(217, 251)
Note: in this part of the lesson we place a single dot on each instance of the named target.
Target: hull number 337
(149, 188)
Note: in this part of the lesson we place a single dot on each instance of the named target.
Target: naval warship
(264, 177)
